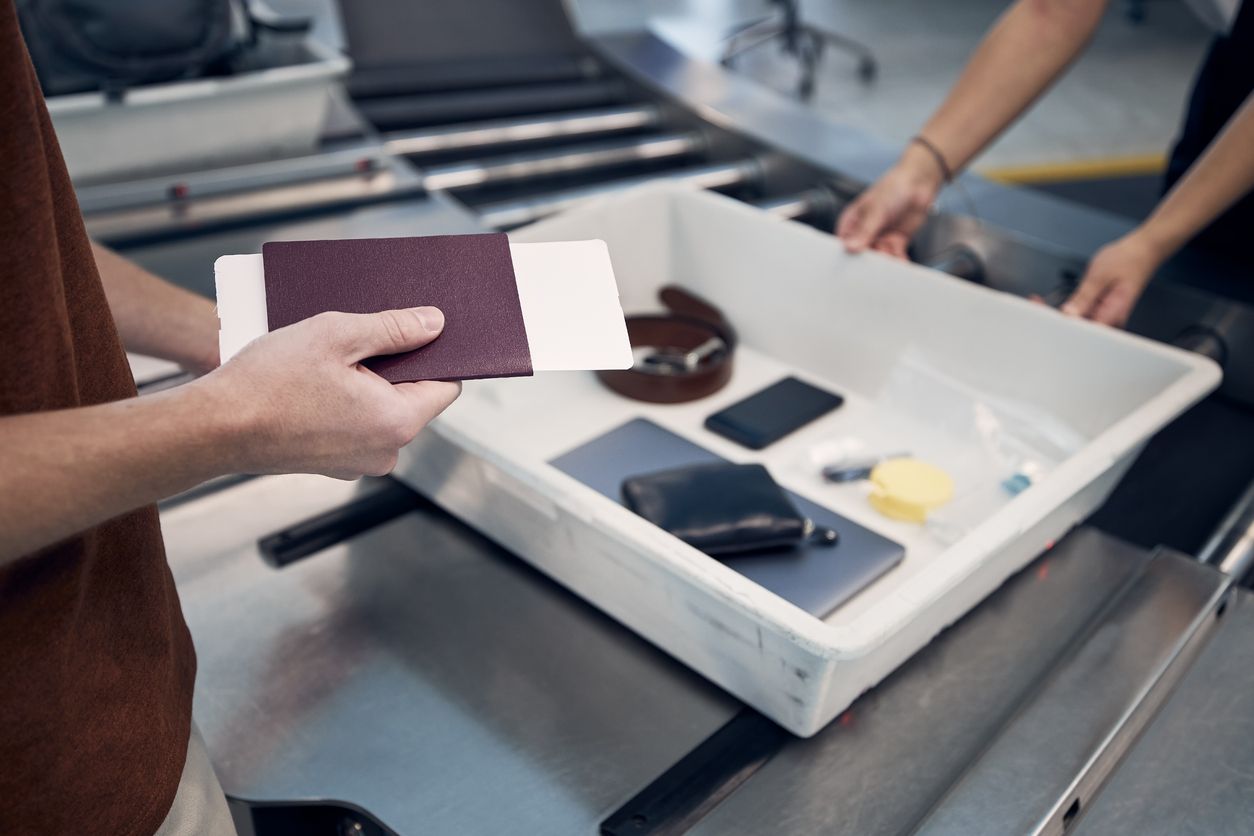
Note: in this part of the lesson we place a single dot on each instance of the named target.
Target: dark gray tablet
(818, 579)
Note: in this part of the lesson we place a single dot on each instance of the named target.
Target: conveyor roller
(477, 136)
(497, 102)
(719, 176)
(570, 160)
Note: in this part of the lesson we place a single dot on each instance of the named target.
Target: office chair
(798, 39)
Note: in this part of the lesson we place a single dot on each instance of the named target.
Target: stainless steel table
(424, 676)
(418, 672)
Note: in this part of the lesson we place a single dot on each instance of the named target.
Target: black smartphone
(767, 416)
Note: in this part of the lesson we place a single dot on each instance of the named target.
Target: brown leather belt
(681, 356)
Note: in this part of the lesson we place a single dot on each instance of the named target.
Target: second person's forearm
(1221, 177)
(1022, 55)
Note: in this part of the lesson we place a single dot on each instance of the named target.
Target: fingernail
(431, 318)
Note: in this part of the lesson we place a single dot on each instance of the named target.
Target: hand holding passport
(509, 309)
(298, 400)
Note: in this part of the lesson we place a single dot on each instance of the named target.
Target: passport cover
(469, 277)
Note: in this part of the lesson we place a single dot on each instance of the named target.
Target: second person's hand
(890, 211)
(1114, 280)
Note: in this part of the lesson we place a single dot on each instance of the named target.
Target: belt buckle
(676, 361)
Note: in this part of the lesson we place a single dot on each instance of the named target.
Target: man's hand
(296, 400)
(1114, 281)
(886, 215)
(306, 404)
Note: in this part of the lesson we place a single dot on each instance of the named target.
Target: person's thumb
(387, 332)
(866, 228)
(1116, 304)
(849, 220)
(1086, 296)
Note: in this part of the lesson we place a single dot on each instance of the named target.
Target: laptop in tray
(816, 578)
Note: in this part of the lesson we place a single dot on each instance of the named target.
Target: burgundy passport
(469, 277)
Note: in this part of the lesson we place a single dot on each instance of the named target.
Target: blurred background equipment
(138, 88)
(80, 45)
(801, 40)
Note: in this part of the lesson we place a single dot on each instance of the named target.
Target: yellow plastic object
(907, 489)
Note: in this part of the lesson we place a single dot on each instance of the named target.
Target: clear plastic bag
(994, 447)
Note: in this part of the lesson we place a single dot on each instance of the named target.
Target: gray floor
(1122, 99)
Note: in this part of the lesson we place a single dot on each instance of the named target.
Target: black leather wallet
(722, 509)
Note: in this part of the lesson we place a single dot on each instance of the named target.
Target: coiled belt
(681, 356)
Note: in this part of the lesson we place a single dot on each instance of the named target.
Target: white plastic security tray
(269, 112)
(804, 307)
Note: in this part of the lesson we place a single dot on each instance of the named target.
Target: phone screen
(767, 416)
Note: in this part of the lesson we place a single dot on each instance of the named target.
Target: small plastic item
(907, 489)
(1016, 484)
(854, 469)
